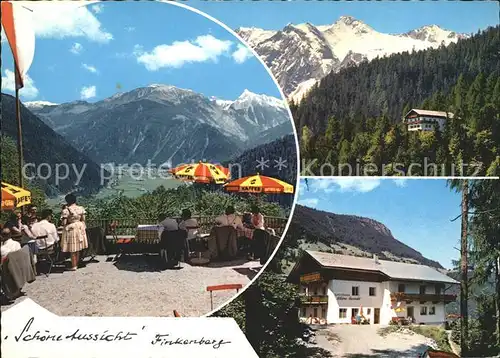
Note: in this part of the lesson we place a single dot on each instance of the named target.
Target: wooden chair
(49, 253)
(234, 286)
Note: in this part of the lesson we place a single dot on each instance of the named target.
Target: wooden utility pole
(464, 337)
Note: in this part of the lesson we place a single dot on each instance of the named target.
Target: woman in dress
(74, 237)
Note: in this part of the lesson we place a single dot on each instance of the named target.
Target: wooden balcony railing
(313, 299)
(403, 296)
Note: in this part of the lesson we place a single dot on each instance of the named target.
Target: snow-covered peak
(254, 35)
(39, 104)
(435, 34)
(249, 98)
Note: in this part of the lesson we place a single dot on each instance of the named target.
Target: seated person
(230, 219)
(189, 224)
(44, 227)
(167, 224)
(8, 245)
(257, 218)
(14, 223)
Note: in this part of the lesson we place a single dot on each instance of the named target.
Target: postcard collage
(304, 179)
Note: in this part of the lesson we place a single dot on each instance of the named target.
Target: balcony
(313, 299)
(403, 296)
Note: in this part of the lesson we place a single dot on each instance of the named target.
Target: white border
(396, 177)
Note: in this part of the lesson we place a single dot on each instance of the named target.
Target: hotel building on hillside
(423, 120)
(334, 288)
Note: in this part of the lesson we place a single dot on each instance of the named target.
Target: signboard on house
(310, 277)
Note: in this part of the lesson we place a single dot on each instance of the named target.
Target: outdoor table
(200, 248)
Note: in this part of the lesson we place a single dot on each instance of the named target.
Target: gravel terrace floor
(353, 341)
(133, 286)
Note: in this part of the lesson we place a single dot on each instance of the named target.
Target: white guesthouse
(424, 120)
(336, 288)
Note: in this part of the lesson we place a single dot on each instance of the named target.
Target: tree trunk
(497, 298)
(253, 329)
(464, 339)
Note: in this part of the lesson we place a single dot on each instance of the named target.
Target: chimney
(375, 258)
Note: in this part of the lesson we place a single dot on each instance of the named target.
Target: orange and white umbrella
(14, 197)
(202, 173)
(259, 184)
(17, 24)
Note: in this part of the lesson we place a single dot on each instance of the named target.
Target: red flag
(18, 27)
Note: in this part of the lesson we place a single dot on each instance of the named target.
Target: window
(303, 312)
(315, 290)
(315, 312)
(368, 311)
(422, 290)
(372, 291)
(324, 291)
(432, 310)
(355, 290)
(323, 312)
(401, 287)
(423, 311)
(438, 290)
(342, 312)
(354, 312)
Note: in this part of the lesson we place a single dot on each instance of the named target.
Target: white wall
(381, 300)
(339, 289)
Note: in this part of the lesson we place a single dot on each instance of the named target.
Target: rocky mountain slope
(163, 123)
(300, 55)
(42, 146)
(350, 235)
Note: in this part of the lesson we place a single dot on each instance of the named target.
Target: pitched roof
(424, 112)
(395, 270)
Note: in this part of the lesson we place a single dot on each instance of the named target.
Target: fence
(128, 227)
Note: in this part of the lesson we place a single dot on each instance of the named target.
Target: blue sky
(85, 52)
(384, 16)
(418, 212)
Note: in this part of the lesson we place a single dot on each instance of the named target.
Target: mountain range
(43, 146)
(164, 123)
(301, 55)
(350, 235)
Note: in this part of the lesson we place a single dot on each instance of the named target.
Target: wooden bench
(234, 286)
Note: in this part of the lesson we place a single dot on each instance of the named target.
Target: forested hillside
(42, 147)
(283, 149)
(354, 116)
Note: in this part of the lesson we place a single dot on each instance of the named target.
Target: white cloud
(242, 54)
(97, 8)
(328, 185)
(310, 202)
(401, 183)
(76, 48)
(363, 185)
(89, 68)
(88, 92)
(29, 91)
(63, 19)
(203, 48)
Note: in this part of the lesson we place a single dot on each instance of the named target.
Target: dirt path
(352, 341)
(133, 286)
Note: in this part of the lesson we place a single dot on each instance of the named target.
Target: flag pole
(19, 130)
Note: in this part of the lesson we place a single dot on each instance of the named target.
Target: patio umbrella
(14, 197)
(202, 173)
(259, 184)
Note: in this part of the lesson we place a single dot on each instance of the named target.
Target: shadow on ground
(139, 263)
(390, 353)
(250, 273)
